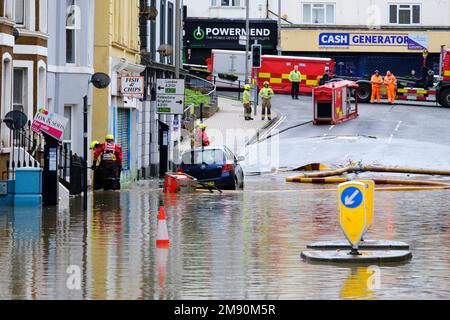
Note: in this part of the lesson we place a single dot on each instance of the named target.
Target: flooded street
(231, 246)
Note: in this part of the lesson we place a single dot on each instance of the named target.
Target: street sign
(170, 96)
(170, 104)
(170, 86)
(352, 207)
(368, 197)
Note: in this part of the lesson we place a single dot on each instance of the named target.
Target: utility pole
(279, 27)
(177, 38)
(247, 42)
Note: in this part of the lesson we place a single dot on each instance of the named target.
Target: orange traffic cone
(162, 236)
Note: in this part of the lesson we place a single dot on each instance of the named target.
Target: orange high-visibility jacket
(376, 81)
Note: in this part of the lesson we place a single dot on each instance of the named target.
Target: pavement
(228, 127)
(400, 135)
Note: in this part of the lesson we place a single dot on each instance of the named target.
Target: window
(318, 13)
(67, 138)
(19, 9)
(71, 32)
(162, 34)
(404, 14)
(225, 3)
(153, 33)
(19, 89)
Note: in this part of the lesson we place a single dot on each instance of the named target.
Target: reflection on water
(232, 246)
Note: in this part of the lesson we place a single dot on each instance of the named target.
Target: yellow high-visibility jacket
(266, 93)
(246, 96)
(295, 76)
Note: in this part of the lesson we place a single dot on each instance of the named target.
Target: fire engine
(425, 89)
(276, 70)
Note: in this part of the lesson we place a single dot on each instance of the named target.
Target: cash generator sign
(411, 41)
(229, 33)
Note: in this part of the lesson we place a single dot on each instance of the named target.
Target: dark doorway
(163, 148)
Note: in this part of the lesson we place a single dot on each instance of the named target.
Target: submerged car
(214, 166)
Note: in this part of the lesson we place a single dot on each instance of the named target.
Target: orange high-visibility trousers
(391, 93)
(375, 93)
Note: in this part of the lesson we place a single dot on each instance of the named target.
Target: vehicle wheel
(236, 184)
(364, 92)
(445, 98)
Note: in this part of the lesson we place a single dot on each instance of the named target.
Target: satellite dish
(100, 80)
(15, 120)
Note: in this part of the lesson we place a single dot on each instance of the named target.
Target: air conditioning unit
(149, 13)
(165, 50)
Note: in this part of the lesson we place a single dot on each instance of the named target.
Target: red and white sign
(133, 87)
(51, 123)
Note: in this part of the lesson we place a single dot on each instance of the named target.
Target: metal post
(279, 27)
(247, 42)
(85, 152)
(177, 38)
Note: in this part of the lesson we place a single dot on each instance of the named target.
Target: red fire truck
(276, 70)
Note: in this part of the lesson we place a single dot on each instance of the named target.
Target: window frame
(411, 9)
(24, 22)
(325, 15)
(73, 28)
(218, 4)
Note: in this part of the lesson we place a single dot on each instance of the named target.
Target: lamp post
(100, 81)
(247, 35)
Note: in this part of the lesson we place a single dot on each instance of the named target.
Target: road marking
(390, 139)
(398, 125)
(331, 128)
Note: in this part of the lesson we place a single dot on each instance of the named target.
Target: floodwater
(232, 246)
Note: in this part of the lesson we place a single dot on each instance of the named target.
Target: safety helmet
(376, 71)
(247, 87)
(94, 144)
(109, 137)
(266, 83)
(203, 126)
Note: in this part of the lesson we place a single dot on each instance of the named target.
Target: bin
(179, 183)
(333, 103)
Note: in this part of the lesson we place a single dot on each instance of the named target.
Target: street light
(100, 81)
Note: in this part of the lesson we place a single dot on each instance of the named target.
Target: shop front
(358, 52)
(203, 35)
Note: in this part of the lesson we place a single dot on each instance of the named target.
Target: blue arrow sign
(351, 197)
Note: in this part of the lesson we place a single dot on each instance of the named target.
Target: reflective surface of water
(233, 246)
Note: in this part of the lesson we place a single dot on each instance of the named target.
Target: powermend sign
(170, 96)
(225, 33)
(412, 42)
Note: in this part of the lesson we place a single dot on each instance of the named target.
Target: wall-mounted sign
(51, 123)
(229, 33)
(339, 39)
(132, 86)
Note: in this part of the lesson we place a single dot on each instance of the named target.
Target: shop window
(404, 14)
(318, 13)
(225, 3)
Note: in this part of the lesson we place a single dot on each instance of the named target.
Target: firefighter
(266, 95)
(390, 81)
(202, 139)
(98, 174)
(247, 103)
(295, 77)
(377, 81)
(109, 154)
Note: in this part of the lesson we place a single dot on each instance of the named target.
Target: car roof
(221, 148)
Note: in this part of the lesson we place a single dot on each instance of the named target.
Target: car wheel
(236, 184)
(364, 92)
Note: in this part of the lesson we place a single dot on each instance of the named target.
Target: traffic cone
(162, 236)
(162, 255)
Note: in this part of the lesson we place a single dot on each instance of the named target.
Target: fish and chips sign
(50, 123)
(133, 87)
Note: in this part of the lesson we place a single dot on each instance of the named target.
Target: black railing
(70, 170)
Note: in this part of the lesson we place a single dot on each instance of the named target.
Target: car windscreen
(214, 156)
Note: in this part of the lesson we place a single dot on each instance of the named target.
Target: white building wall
(347, 12)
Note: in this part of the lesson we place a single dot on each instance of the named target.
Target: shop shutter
(123, 134)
